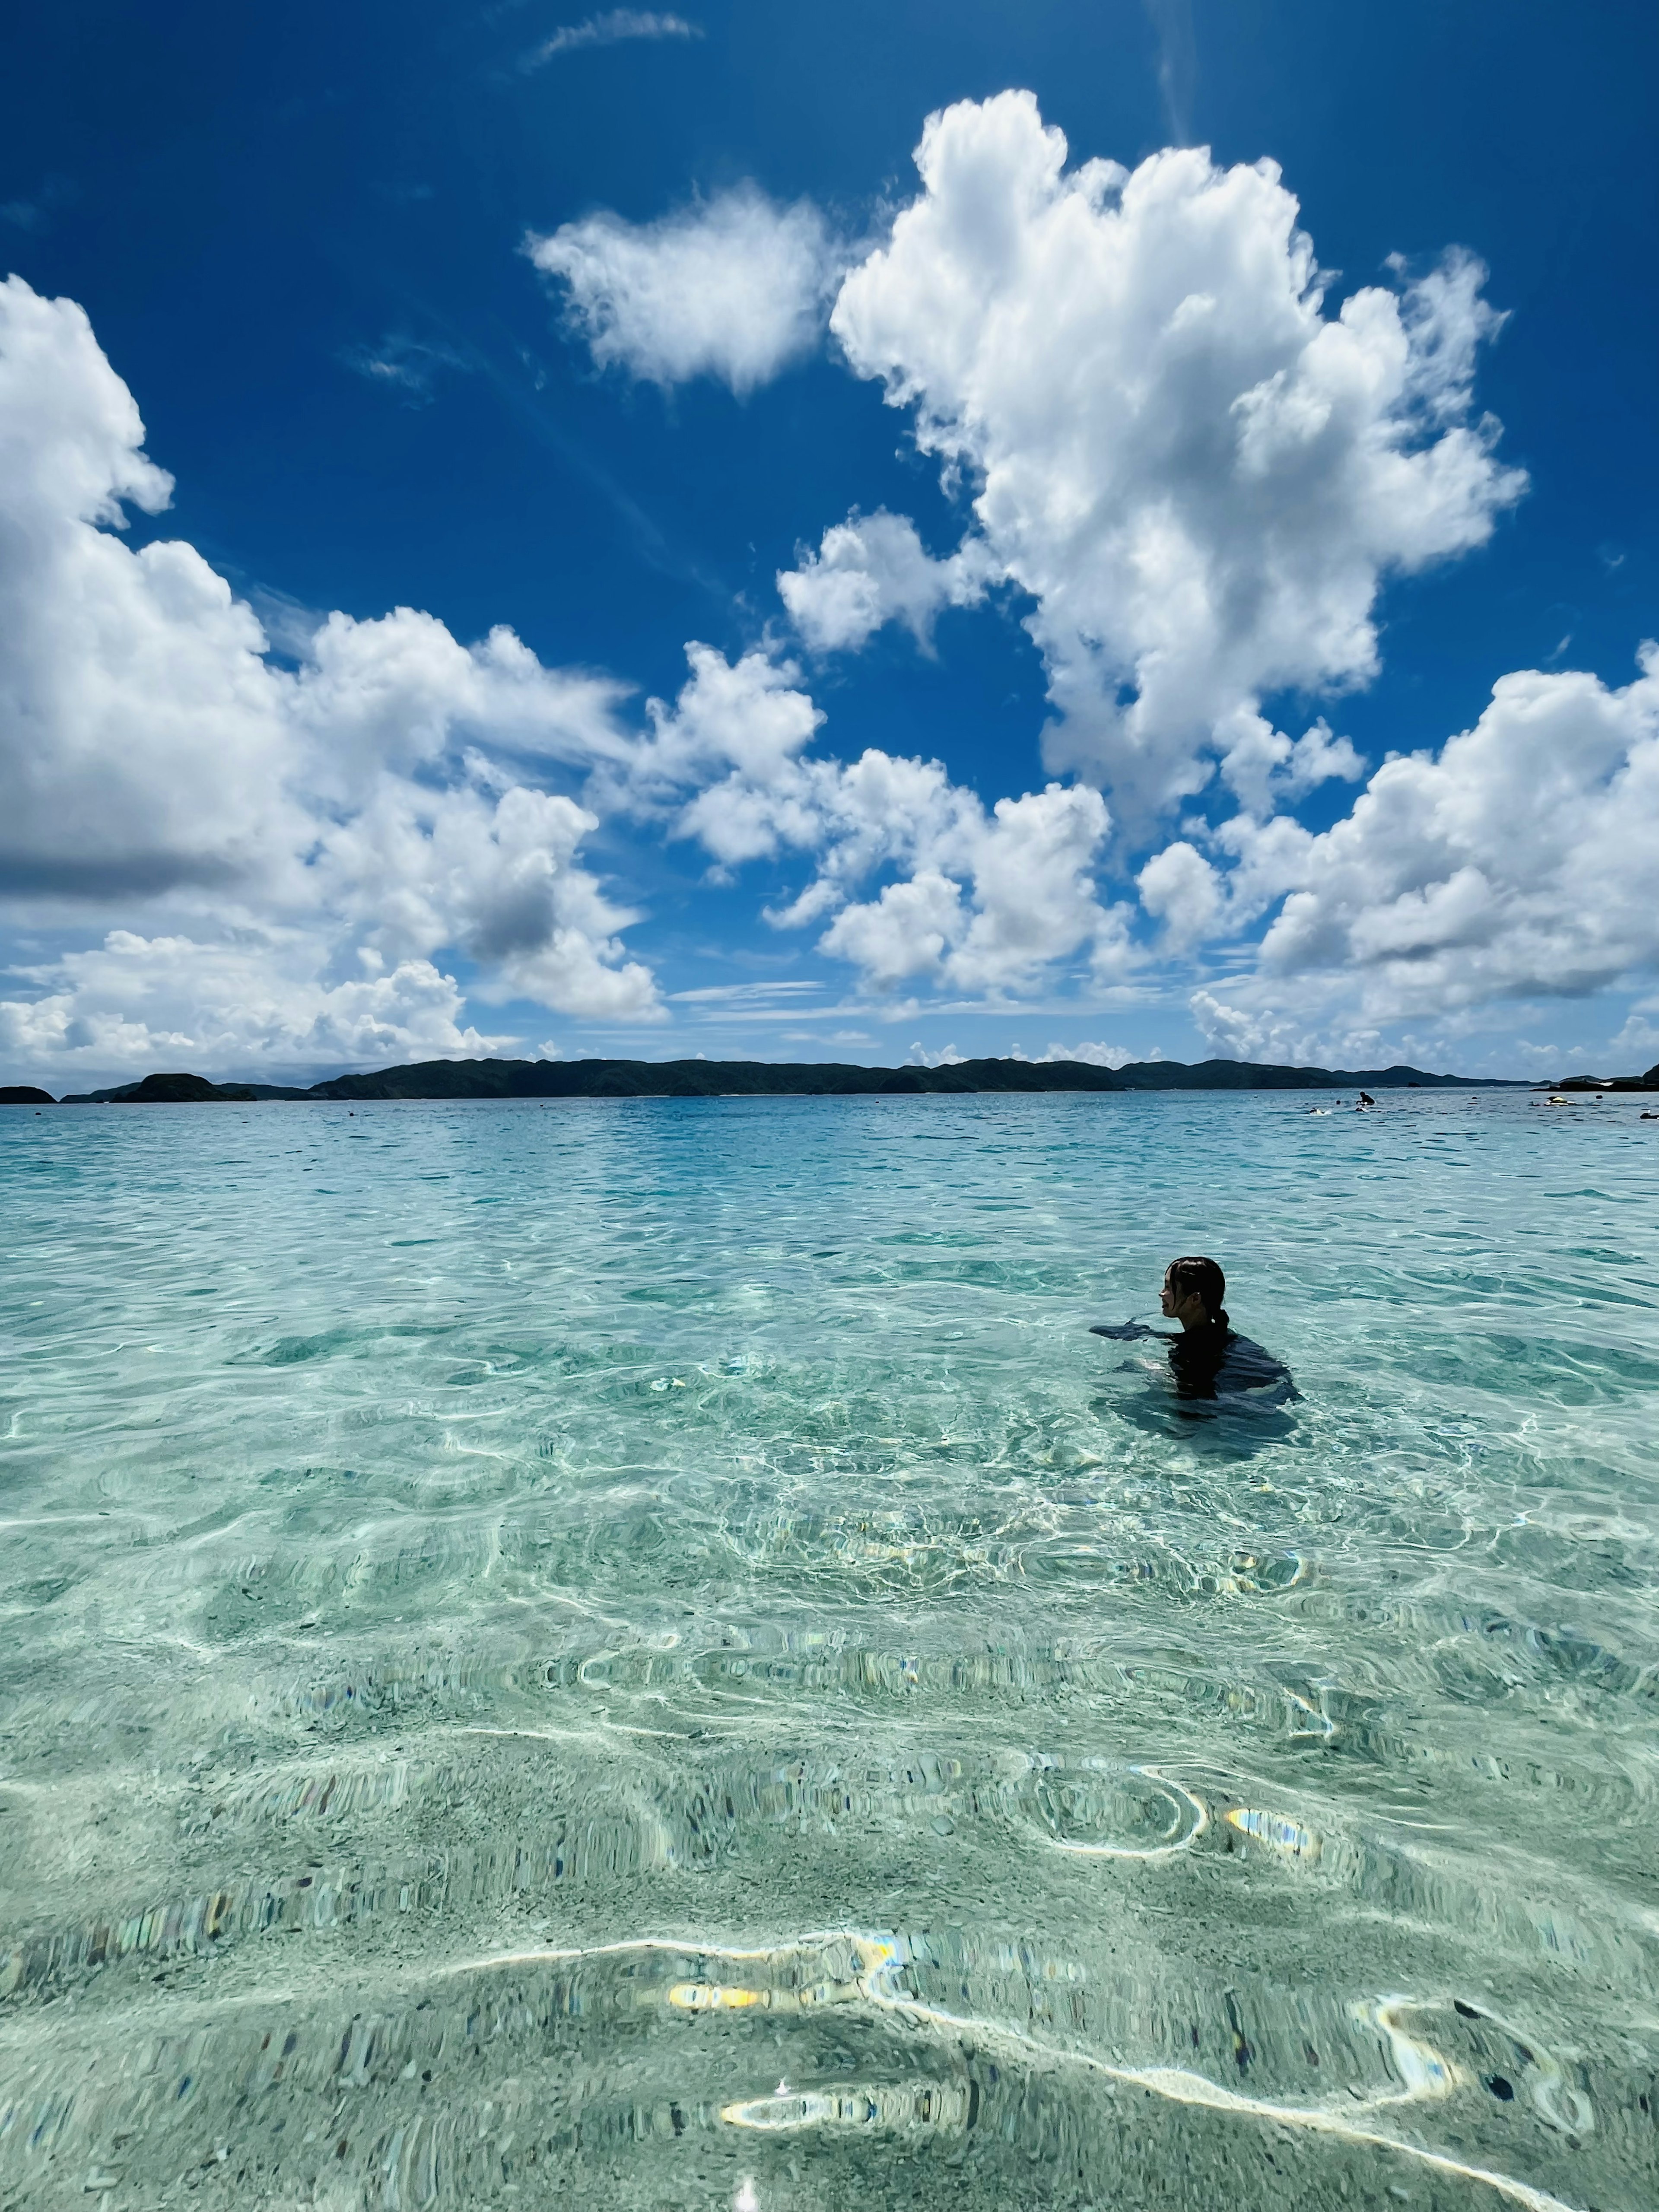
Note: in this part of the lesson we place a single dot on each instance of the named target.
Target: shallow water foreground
(638, 1655)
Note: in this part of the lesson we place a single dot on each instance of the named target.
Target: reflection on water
(640, 1654)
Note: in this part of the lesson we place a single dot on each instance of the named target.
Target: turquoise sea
(640, 1654)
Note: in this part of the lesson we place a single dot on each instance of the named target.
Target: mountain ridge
(436, 1079)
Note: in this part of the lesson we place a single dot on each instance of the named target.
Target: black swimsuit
(1215, 1361)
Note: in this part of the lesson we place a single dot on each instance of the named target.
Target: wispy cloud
(289, 623)
(609, 30)
(1177, 63)
(728, 992)
(407, 364)
(35, 213)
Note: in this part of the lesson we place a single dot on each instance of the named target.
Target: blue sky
(305, 245)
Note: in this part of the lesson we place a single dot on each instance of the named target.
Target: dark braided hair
(1204, 1276)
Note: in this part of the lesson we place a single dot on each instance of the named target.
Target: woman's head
(1193, 1289)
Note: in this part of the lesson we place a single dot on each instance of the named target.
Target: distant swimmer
(1365, 1099)
(1209, 1358)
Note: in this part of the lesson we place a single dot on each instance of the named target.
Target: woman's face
(1184, 1306)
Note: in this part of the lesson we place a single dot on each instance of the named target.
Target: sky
(841, 532)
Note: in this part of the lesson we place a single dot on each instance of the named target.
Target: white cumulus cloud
(1097, 1054)
(1179, 887)
(254, 1003)
(1516, 862)
(1520, 859)
(1274, 1035)
(1200, 475)
(491, 873)
(142, 736)
(735, 288)
(873, 569)
(981, 899)
(1261, 766)
(371, 799)
(1021, 897)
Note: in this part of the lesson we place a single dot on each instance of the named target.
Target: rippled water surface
(638, 1654)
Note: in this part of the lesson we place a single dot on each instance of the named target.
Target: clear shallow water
(638, 1654)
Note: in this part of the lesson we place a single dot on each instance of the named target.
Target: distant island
(753, 1079)
(1648, 1082)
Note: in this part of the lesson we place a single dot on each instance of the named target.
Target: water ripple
(471, 1602)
